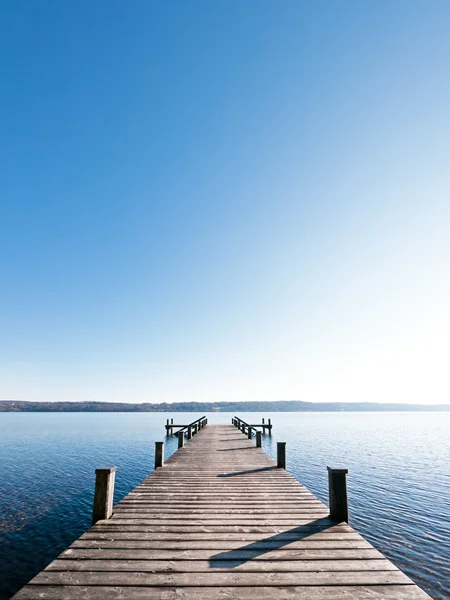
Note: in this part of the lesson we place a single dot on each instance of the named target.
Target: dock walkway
(220, 521)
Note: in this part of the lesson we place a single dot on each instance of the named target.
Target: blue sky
(225, 201)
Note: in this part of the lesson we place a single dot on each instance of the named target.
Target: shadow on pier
(239, 556)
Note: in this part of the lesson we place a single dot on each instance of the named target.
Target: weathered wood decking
(219, 520)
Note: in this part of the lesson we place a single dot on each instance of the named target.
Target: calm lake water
(399, 484)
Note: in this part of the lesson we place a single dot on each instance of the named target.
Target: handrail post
(159, 454)
(281, 455)
(104, 493)
(258, 439)
(249, 432)
(189, 429)
(337, 490)
(180, 440)
(270, 426)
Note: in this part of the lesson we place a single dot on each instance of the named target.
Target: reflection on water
(399, 484)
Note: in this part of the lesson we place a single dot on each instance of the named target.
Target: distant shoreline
(275, 406)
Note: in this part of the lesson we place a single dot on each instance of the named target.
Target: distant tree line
(275, 406)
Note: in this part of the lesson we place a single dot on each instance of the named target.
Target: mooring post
(167, 427)
(281, 455)
(180, 440)
(337, 490)
(263, 421)
(249, 432)
(258, 439)
(104, 493)
(171, 421)
(270, 426)
(189, 432)
(159, 454)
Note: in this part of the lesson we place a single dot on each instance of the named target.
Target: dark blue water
(399, 483)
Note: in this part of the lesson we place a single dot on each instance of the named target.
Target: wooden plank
(215, 529)
(218, 512)
(102, 541)
(300, 521)
(218, 565)
(263, 553)
(337, 533)
(127, 517)
(218, 579)
(188, 553)
(98, 592)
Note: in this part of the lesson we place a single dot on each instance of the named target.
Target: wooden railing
(188, 430)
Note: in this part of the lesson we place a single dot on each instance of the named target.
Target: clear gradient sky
(228, 200)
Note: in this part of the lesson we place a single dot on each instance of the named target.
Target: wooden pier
(220, 520)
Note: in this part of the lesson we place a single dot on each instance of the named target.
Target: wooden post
(104, 493)
(281, 455)
(258, 439)
(159, 454)
(337, 489)
(171, 421)
(270, 426)
(249, 433)
(263, 421)
(243, 427)
(180, 440)
(189, 432)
